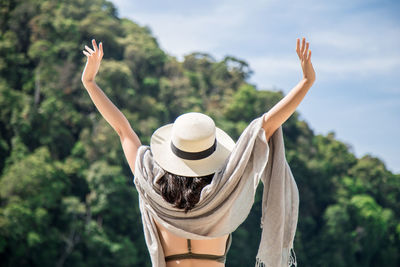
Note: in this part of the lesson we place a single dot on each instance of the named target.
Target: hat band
(194, 155)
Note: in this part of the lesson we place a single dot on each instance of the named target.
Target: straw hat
(191, 146)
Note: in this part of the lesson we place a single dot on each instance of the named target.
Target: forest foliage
(66, 191)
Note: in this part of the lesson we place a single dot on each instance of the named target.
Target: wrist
(308, 81)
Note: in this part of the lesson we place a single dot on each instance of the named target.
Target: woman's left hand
(305, 58)
(94, 57)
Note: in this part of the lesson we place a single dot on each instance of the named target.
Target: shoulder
(254, 129)
(145, 165)
(143, 156)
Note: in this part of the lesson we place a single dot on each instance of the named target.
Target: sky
(355, 48)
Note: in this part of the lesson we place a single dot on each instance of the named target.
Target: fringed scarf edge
(292, 262)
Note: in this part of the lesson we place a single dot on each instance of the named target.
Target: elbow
(86, 81)
(268, 126)
(119, 132)
(266, 122)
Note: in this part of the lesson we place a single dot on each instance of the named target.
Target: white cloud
(346, 68)
(180, 35)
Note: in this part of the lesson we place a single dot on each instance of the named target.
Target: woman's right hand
(94, 57)
(305, 59)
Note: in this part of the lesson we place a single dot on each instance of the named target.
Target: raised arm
(277, 115)
(129, 140)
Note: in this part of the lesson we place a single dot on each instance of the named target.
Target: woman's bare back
(173, 244)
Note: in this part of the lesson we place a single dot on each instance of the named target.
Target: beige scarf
(226, 202)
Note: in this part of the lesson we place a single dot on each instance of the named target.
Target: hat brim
(160, 145)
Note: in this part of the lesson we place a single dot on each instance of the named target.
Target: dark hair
(183, 192)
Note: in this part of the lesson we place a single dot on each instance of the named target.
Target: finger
(303, 42)
(298, 47)
(101, 49)
(306, 50)
(94, 45)
(309, 55)
(89, 49)
(86, 53)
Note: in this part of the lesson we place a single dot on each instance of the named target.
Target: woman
(196, 171)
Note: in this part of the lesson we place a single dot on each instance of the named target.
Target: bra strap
(191, 255)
